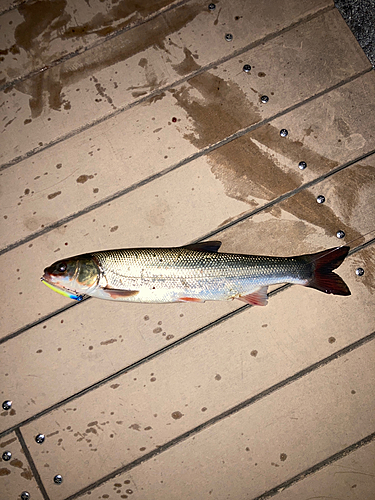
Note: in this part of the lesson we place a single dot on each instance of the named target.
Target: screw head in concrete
(283, 132)
(340, 234)
(302, 165)
(320, 199)
(229, 37)
(7, 405)
(359, 271)
(246, 68)
(58, 479)
(40, 438)
(211, 6)
(6, 456)
(264, 99)
(25, 495)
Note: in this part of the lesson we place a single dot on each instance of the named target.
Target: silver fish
(193, 273)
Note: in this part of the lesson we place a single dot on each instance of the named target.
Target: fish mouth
(62, 291)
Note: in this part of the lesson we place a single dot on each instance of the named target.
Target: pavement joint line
(158, 353)
(31, 462)
(201, 70)
(185, 161)
(317, 467)
(232, 411)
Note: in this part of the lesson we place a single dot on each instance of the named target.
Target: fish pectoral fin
(116, 293)
(189, 299)
(204, 246)
(256, 298)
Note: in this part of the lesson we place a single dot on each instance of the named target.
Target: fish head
(74, 275)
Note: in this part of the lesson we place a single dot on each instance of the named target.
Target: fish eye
(61, 267)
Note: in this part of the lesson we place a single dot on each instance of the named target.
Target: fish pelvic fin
(323, 278)
(114, 293)
(257, 298)
(190, 299)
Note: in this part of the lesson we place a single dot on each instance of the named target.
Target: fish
(191, 273)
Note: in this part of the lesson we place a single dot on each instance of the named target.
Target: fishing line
(358, 238)
(348, 243)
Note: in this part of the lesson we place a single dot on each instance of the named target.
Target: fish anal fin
(204, 246)
(257, 298)
(119, 294)
(190, 299)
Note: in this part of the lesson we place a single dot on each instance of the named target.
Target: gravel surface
(360, 17)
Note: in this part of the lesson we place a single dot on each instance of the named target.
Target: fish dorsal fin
(204, 246)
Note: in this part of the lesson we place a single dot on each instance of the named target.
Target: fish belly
(180, 290)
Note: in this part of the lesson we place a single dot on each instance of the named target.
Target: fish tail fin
(323, 278)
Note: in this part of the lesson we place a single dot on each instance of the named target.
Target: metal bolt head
(58, 479)
(25, 495)
(40, 438)
(7, 405)
(212, 6)
(229, 37)
(7, 455)
(264, 99)
(246, 68)
(340, 234)
(359, 271)
(283, 132)
(302, 165)
(320, 199)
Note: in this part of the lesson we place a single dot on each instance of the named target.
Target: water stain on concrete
(176, 415)
(151, 80)
(188, 65)
(53, 195)
(366, 259)
(248, 170)
(16, 463)
(107, 342)
(104, 24)
(222, 109)
(8, 442)
(26, 472)
(135, 427)
(40, 18)
(45, 89)
(84, 178)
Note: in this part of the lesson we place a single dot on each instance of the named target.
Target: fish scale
(164, 262)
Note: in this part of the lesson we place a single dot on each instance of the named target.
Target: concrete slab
(352, 478)
(113, 156)
(37, 35)
(82, 340)
(245, 454)
(100, 82)
(170, 213)
(167, 141)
